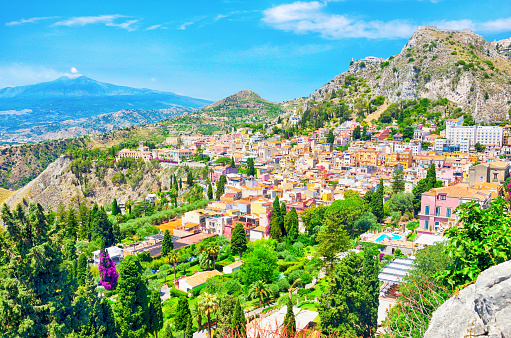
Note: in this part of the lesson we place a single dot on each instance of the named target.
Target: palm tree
(213, 251)
(174, 258)
(258, 290)
(197, 311)
(209, 305)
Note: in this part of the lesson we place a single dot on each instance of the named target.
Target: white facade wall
(485, 135)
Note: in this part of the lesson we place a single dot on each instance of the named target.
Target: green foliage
(224, 314)
(313, 219)
(182, 314)
(238, 240)
(398, 181)
(133, 300)
(81, 269)
(401, 202)
(289, 324)
(483, 240)
(259, 264)
(155, 314)
(238, 322)
(376, 203)
(291, 225)
(166, 246)
(220, 186)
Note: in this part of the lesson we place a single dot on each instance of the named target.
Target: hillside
(459, 66)
(74, 102)
(244, 107)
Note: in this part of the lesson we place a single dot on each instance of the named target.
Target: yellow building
(367, 157)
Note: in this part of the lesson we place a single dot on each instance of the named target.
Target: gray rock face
(482, 309)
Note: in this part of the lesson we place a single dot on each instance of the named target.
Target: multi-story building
(494, 172)
(485, 135)
(438, 205)
(367, 156)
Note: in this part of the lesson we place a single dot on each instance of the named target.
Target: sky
(211, 49)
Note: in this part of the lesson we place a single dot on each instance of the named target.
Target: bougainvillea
(107, 271)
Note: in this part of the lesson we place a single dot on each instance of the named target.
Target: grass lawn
(310, 307)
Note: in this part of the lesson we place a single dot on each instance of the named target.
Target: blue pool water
(383, 236)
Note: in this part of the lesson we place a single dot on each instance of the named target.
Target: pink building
(438, 206)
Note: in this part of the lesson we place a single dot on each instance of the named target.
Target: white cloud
(491, 26)
(107, 20)
(74, 70)
(153, 79)
(30, 20)
(310, 17)
(155, 27)
(19, 74)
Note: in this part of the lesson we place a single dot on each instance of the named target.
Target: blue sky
(212, 49)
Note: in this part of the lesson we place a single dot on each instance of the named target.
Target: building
(485, 135)
(367, 156)
(494, 172)
(145, 155)
(233, 267)
(115, 253)
(190, 283)
(438, 205)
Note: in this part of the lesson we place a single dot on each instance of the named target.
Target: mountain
(460, 66)
(77, 101)
(233, 111)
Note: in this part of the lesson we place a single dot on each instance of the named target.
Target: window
(495, 176)
(427, 210)
(442, 197)
(437, 211)
(426, 225)
(436, 225)
(448, 212)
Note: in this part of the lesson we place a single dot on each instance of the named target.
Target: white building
(485, 135)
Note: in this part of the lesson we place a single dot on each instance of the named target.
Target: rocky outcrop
(482, 309)
(458, 65)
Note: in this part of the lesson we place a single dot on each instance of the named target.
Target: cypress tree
(233, 164)
(289, 324)
(189, 179)
(103, 320)
(166, 246)
(183, 313)
(71, 224)
(132, 301)
(189, 328)
(116, 210)
(238, 240)
(398, 182)
(377, 202)
(155, 314)
(220, 186)
(238, 321)
(81, 269)
(275, 229)
(210, 191)
(330, 137)
(369, 290)
(291, 223)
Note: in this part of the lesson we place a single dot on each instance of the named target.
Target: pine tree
(116, 210)
(182, 314)
(103, 320)
(71, 224)
(189, 328)
(210, 191)
(356, 133)
(398, 181)
(238, 240)
(155, 314)
(132, 301)
(103, 228)
(166, 246)
(81, 269)
(289, 324)
(34, 298)
(238, 321)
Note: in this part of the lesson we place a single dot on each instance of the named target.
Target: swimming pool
(391, 236)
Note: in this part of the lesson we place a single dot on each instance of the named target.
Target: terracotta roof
(458, 191)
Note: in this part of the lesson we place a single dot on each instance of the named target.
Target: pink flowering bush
(380, 256)
(107, 271)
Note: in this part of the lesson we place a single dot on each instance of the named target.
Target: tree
(333, 237)
(258, 289)
(132, 301)
(166, 245)
(401, 202)
(238, 240)
(220, 186)
(291, 225)
(330, 138)
(370, 292)
(189, 179)
(35, 298)
(232, 164)
(116, 210)
(224, 315)
(81, 269)
(377, 202)
(103, 229)
(398, 182)
(107, 271)
(363, 136)
(289, 324)
(174, 258)
(210, 305)
(367, 222)
(479, 147)
(356, 133)
(102, 320)
(275, 229)
(156, 314)
(197, 311)
(425, 185)
(259, 264)
(349, 193)
(238, 326)
(313, 219)
(182, 315)
(213, 250)
(250, 167)
(189, 328)
(210, 191)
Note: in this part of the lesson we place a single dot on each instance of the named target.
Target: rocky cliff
(458, 65)
(482, 309)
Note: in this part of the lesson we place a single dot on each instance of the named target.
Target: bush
(177, 293)
(232, 286)
(293, 276)
(274, 289)
(283, 284)
(306, 278)
(280, 247)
